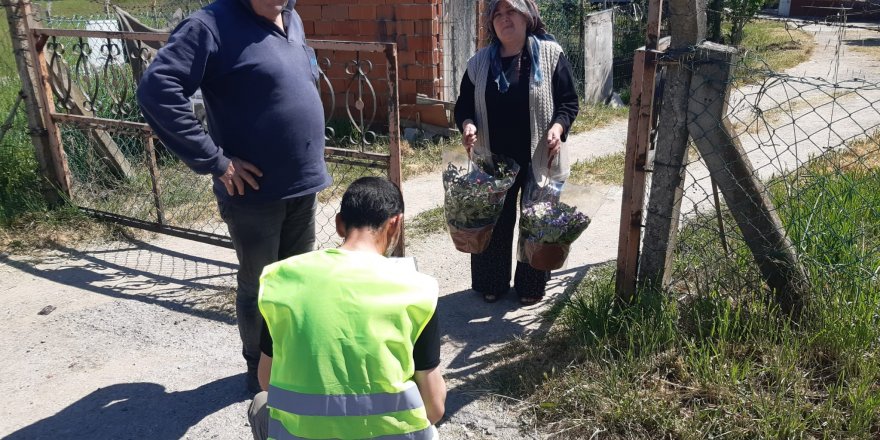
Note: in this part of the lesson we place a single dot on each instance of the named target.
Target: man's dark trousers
(263, 234)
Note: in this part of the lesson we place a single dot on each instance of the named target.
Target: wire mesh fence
(811, 146)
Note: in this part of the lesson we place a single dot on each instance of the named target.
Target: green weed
(604, 169)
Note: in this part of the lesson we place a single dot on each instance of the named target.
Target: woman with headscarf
(517, 99)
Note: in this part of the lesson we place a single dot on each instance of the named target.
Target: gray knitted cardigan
(540, 114)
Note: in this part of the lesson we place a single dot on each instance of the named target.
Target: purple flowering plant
(475, 195)
(549, 222)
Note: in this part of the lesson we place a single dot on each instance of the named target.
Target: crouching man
(351, 345)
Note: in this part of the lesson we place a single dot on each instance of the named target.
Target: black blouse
(508, 113)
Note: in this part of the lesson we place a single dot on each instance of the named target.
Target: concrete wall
(459, 39)
(598, 57)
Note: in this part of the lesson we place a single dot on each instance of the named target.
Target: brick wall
(413, 24)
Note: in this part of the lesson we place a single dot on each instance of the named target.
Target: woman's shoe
(530, 300)
(490, 297)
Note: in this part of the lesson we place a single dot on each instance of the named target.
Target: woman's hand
(554, 142)
(469, 135)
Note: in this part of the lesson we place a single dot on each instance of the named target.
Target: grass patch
(423, 157)
(65, 226)
(604, 169)
(867, 47)
(715, 359)
(593, 116)
(426, 223)
(20, 182)
(770, 45)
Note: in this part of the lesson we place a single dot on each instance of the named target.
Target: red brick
(346, 28)
(369, 28)
(309, 28)
(362, 12)
(322, 29)
(422, 43)
(407, 87)
(425, 27)
(420, 71)
(334, 12)
(415, 12)
(428, 57)
(406, 57)
(385, 12)
(402, 43)
(406, 27)
(428, 87)
(309, 12)
(386, 31)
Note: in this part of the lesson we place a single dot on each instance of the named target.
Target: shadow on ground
(136, 410)
(138, 271)
(867, 42)
(476, 329)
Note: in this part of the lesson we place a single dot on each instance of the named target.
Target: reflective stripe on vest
(344, 404)
(277, 432)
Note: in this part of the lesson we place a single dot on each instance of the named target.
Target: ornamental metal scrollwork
(99, 82)
(359, 116)
(62, 85)
(323, 66)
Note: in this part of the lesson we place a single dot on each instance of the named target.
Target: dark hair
(369, 202)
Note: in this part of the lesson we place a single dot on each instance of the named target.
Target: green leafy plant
(475, 195)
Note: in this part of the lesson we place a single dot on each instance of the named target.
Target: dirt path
(141, 342)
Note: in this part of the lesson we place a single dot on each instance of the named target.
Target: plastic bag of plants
(473, 198)
(548, 227)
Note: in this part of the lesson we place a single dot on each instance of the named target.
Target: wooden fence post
(45, 140)
(637, 140)
(744, 193)
(687, 24)
(394, 167)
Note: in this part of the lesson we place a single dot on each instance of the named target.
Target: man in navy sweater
(265, 148)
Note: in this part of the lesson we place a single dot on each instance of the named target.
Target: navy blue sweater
(259, 90)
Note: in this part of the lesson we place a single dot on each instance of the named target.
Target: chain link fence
(812, 146)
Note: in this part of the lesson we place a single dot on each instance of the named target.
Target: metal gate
(113, 168)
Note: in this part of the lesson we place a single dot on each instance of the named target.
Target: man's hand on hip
(237, 173)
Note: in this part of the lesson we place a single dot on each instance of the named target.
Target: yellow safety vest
(343, 326)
